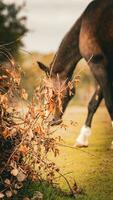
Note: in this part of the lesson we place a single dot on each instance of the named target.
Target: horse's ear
(44, 67)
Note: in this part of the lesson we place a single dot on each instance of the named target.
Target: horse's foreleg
(85, 132)
(101, 72)
(93, 105)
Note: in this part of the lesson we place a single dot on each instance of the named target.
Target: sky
(48, 21)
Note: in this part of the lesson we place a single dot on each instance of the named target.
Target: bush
(25, 138)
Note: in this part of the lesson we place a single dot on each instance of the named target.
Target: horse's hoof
(78, 145)
(55, 122)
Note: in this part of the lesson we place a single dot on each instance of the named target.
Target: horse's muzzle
(55, 122)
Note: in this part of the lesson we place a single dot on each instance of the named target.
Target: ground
(92, 167)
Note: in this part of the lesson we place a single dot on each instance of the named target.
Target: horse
(91, 38)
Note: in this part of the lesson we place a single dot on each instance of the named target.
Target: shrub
(25, 137)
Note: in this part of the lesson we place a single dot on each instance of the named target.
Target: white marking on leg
(82, 139)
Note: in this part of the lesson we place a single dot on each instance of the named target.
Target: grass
(93, 173)
(49, 192)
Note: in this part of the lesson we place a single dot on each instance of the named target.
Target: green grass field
(93, 173)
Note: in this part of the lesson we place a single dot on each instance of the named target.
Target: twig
(63, 174)
(86, 152)
(77, 148)
(90, 59)
(71, 190)
(12, 42)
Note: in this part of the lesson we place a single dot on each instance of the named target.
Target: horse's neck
(68, 53)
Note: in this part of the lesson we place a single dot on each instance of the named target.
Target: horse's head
(61, 90)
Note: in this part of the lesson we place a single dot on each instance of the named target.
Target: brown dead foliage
(26, 138)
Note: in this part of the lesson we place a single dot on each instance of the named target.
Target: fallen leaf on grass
(21, 176)
(1, 195)
(37, 196)
(9, 194)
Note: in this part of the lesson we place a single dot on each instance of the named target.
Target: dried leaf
(6, 133)
(8, 194)
(24, 94)
(15, 76)
(30, 134)
(35, 148)
(21, 176)
(39, 131)
(23, 149)
(26, 198)
(14, 172)
(56, 152)
(37, 196)
(1, 195)
(64, 126)
(18, 186)
(7, 181)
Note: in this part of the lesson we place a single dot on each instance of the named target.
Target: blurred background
(42, 26)
(48, 21)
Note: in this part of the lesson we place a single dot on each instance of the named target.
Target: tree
(12, 27)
